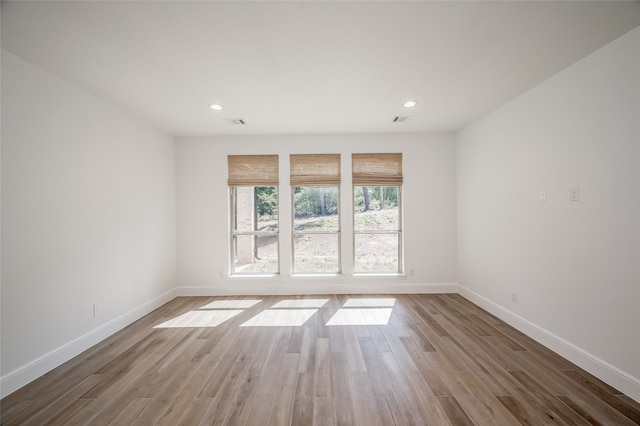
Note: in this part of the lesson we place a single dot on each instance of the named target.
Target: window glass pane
(316, 253)
(376, 253)
(255, 211)
(267, 208)
(376, 208)
(255, 254)
(316, 208)
(255, 208)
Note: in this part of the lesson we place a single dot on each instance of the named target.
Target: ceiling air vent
(402, 118)
(235, 121)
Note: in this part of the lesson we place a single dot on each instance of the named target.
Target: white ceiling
(309, 67)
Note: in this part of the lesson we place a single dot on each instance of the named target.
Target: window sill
(316, 275)
(379, 274)
(252, 275)
(320, 276)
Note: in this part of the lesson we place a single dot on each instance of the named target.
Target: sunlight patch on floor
(231, 304)
(370, 302)
(301, 303)
(361, 316)
(200, 319)
(280, 318)
(286, 313)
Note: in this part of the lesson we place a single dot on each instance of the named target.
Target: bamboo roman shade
(377, 169)
(253, 170)
(315, 169)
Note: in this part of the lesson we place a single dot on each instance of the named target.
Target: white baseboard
(315, 286)
(606, 372)
(25, 374)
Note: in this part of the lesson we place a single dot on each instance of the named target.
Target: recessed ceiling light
(410, 104)
(216, 107)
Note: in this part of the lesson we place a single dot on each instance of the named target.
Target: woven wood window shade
(253, 170)
(376, 169)
(315, 169)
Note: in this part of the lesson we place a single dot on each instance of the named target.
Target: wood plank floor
(318, 360)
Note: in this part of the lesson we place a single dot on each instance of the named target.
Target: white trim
(314, 287)
(30, 371)
(606, 372)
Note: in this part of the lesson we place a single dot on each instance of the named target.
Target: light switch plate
(574, 193)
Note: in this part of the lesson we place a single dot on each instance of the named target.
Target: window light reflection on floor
(282, 315)
(358, 316)
(201, 318)
(232, 304)
(286, 313)
(210, 315)
(300, 303)
(280, 318)
(364, 311)
(370, 302)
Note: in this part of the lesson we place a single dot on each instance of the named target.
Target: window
(253, 187)
(377, 213)
(315, 192)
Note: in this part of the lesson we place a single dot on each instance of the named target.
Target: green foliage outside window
(375, 198)
(267, 201)
(315, 201)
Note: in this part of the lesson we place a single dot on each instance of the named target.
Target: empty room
(320, 212)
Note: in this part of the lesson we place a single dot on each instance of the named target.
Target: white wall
(574, 264)
(429, 213)
(88, 216)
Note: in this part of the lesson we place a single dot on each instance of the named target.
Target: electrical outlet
(514, 296)
(542, 195)
(411, 272)
(97, 310)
